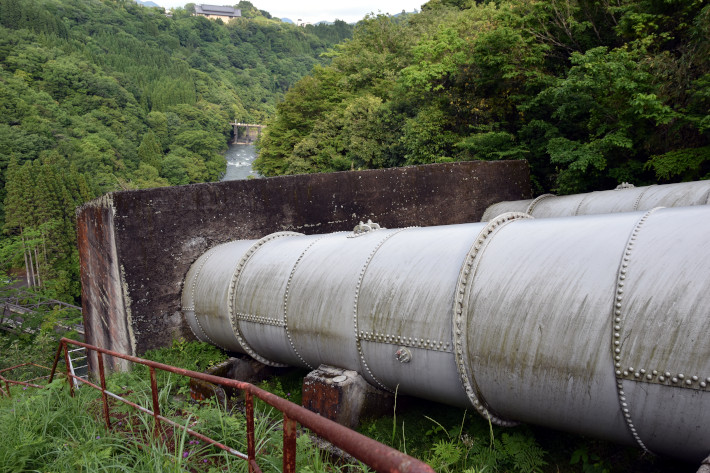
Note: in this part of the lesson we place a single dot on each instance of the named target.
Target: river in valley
(239, 160)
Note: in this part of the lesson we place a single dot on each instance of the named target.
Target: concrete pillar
(344, 396)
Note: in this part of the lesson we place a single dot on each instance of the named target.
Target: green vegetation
(48, 430)
(592, 93)
(33, 336)
(103, 95)
(456, 440)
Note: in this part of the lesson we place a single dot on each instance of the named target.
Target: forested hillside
(98, 95)
(591, 92)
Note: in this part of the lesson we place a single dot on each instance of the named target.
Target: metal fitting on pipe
(595, 325)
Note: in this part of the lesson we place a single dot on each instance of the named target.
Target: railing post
(251, 446)
(156, 404)
(68, 363)
(104, 397)
(289, 445)
(7, 384)
(56, 359)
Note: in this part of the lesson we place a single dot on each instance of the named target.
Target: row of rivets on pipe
(618, 326)
(411, 342)
(640, 196)
(671, 379)
(460, 317)
(232, 288)
(286, 294)
(536, 201)
(580, 203)
(259, 320)
(355, 303)
(207, 256)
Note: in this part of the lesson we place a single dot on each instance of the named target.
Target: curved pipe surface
(595, 325)
(625, 199)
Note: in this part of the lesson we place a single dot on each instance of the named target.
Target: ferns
(526, 455)
(516, 451)
(446, 453)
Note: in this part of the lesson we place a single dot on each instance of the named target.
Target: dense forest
(592, 93)
(100, 95)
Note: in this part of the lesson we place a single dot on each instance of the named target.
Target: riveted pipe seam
(579, 205)
(358, 341)
(617, 316)
(536, 201)
(233, 315)
(193, 320)
(639, 198)
(285, 299)
(460, 327)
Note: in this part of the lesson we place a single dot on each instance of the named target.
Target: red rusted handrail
(377, 456)
(27, 383)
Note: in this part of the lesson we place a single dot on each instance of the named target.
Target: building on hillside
(214, 11)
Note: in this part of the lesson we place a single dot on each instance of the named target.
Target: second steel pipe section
(595, 325)
(622, 199)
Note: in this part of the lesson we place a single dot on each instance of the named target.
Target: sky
(313, 11)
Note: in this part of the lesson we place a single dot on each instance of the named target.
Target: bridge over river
(246, 133)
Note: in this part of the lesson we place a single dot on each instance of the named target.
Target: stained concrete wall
(136, 246)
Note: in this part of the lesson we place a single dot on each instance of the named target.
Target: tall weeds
(50, 431)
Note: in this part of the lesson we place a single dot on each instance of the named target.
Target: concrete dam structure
(596, 325)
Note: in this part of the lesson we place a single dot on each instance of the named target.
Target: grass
(49, 430)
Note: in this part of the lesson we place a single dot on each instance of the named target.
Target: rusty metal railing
(27, 383)
(375, 455)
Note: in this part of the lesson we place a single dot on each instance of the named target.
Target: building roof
(217, 10)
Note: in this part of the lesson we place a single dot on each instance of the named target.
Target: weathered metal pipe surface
(622, 199)
(596, 325)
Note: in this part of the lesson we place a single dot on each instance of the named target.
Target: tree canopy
(100, 95)
(591, 93)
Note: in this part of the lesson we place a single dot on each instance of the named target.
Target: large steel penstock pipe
(596, 325)
(622, 199)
